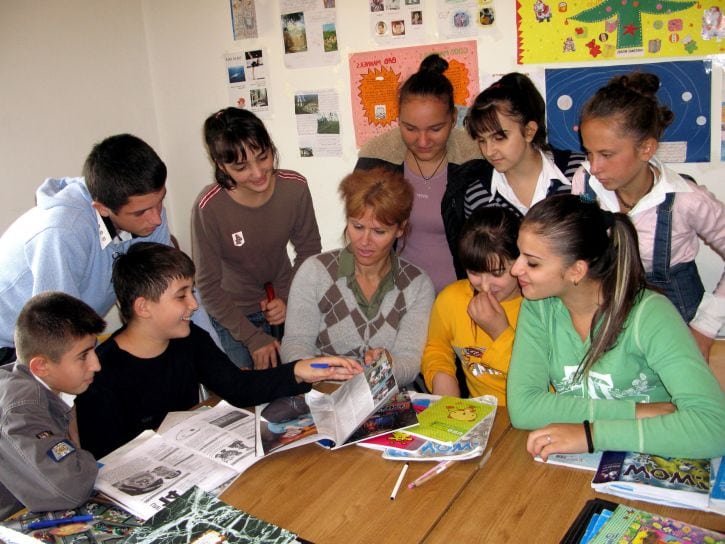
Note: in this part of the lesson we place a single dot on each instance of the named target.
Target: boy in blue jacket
(67, 242)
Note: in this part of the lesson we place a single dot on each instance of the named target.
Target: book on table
(628, 524)
(717, 486)
(208, 449)
(678, 482)
(449, 419)
(199, 517)
(606, 522)
(336, 415)
(471, 444)
(583, 461)
(110, 524)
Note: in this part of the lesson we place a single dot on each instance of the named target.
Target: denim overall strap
(663, 241)
(681, 283)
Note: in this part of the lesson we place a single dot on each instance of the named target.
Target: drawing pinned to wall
(585, 30)
(244, 19)
(309, 33)
(396, 21)
(248, 80)
(317, 114)
(464, 18)
(684, 88)
(375, 77)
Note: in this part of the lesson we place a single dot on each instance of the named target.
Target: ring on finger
(548, 439)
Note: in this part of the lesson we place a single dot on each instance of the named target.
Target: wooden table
(344, 495)
(515, 499)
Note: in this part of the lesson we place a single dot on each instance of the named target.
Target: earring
(576, 283)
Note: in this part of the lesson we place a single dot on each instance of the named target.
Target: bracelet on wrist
(588, 433)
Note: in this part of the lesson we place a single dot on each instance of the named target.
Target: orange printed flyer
(376, 76)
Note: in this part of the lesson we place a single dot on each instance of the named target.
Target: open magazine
(207, 449)
(335, 413)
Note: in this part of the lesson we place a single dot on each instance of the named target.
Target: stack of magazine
(209, 448)
(682, 483)
(678, 482)
(449, 428)
(605, 522)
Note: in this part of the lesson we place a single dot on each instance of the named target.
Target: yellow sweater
(452, 332)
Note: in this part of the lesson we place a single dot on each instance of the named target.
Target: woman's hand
(338, 368)
(373, 353)
(558, 438)
(487, 312)
(274, 310)
(653, 409)
(266, 356)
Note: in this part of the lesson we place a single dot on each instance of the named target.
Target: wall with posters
(78, 71)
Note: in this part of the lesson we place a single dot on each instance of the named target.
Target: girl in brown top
(241, 226)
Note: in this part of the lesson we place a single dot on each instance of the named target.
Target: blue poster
(684, 87)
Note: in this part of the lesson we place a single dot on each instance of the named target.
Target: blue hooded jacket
(58, 246)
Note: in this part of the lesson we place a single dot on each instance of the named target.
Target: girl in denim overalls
(620, 128)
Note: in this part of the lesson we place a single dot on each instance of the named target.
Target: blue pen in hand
(43, 524)
(320, 365)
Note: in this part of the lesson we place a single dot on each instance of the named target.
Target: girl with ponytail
(600, 362)
(438, 159)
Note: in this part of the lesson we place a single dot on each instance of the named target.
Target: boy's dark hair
(120, 167)
(50, 322)
(488, 240)
(228, 134)
(146, 270)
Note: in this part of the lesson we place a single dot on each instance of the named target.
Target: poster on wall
(684, 88)
(464, 18)
(309, 33)
(397, 22)
(317, 114)
(376, 76)
(248, 81)
(244, 19)
(586, 30)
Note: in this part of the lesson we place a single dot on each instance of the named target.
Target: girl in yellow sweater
(473, 320)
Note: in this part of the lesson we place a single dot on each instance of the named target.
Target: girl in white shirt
(620, 128)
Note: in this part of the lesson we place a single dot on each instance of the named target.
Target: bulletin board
(607, 30)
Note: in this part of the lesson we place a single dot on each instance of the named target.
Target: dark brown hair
(228, 134)
(429, 81)
(515, 96)
(147, 270)
(50, 323)
(578, 229)
(632, 99)
(488, 240)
